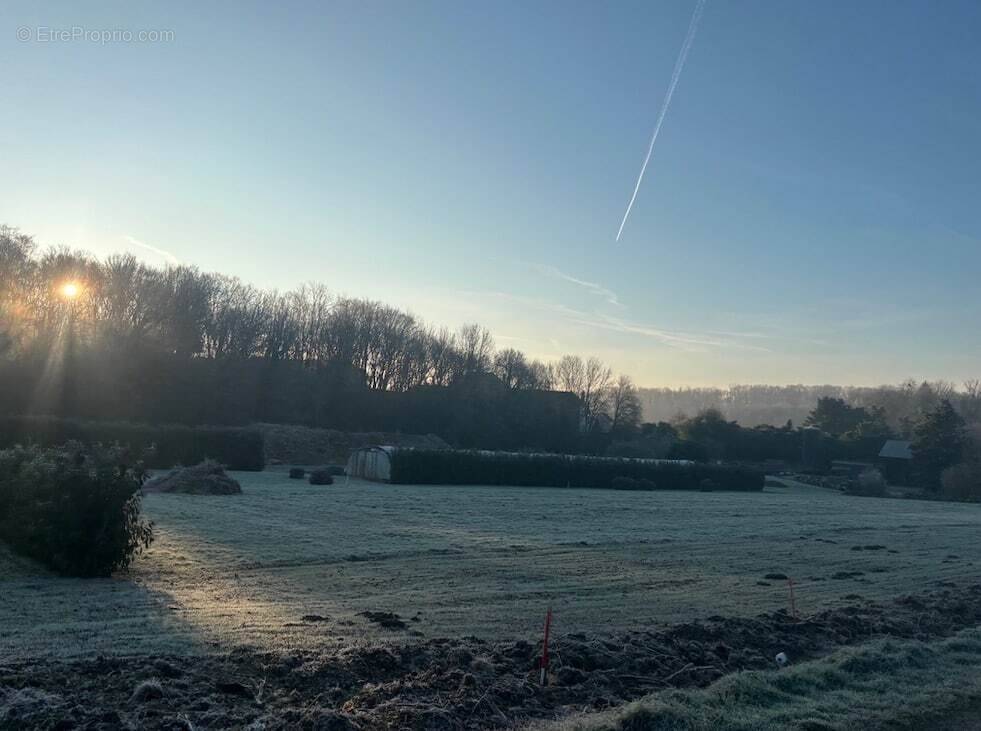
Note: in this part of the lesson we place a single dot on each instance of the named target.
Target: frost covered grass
(882, 684)
(225, 572)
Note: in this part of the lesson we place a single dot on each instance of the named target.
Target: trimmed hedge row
(448, 467)
(159, 446)
(76, 511)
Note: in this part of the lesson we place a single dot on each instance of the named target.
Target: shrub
(75, 510)
(962, 482)
(870, 483)
(297, 473)
(159, 446)
(321, 477)
(446, 467)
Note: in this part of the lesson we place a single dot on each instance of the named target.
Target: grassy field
(246, 569)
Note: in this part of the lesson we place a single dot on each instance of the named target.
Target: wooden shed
(896, 461)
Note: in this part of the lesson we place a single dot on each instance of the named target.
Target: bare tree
(189, 297)
(311, 304)
(511, 367)
(389, 366)
(441, 357)
(970, 402)
(128, 299)
(16, 271)
(624, 406)
(590, 381)
(476, 347)
(542, 375)
(282, 328)
(239, 320)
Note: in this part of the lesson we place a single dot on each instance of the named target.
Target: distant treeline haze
(902, 405)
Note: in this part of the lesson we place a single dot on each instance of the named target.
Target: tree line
(227, 352)
(124, 306)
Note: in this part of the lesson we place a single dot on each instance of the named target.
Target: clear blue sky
(812, 212)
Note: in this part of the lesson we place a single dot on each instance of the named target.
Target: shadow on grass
(45, 615)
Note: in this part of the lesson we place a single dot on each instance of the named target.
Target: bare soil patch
(465, 683)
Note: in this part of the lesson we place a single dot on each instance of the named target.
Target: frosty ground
(288, 566)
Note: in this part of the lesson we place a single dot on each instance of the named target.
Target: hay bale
(297, 473)
(321, 477)
(207, 478)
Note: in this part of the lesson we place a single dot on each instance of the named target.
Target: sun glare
(70, 290)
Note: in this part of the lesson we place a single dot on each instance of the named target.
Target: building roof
(896, 449)
(387, 449)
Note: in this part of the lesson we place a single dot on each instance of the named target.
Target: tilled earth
(464, 683)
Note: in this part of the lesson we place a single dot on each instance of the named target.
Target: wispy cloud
(678, 339)
(595, 289)
(166, 255)
(679, 64)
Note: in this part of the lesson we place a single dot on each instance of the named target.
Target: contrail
(678, 66)
(170, 258)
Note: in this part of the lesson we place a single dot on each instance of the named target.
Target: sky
(810, 213)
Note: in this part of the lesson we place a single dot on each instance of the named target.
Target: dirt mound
(300, 445)
(207, 478)
(455, 684)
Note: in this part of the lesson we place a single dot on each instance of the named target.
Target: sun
(70, 290)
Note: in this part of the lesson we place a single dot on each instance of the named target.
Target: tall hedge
(448, 467)
(74, 510)
(160, 446)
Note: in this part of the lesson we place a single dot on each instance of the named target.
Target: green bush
(448, 467)
(74, 510)
(159, 446)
